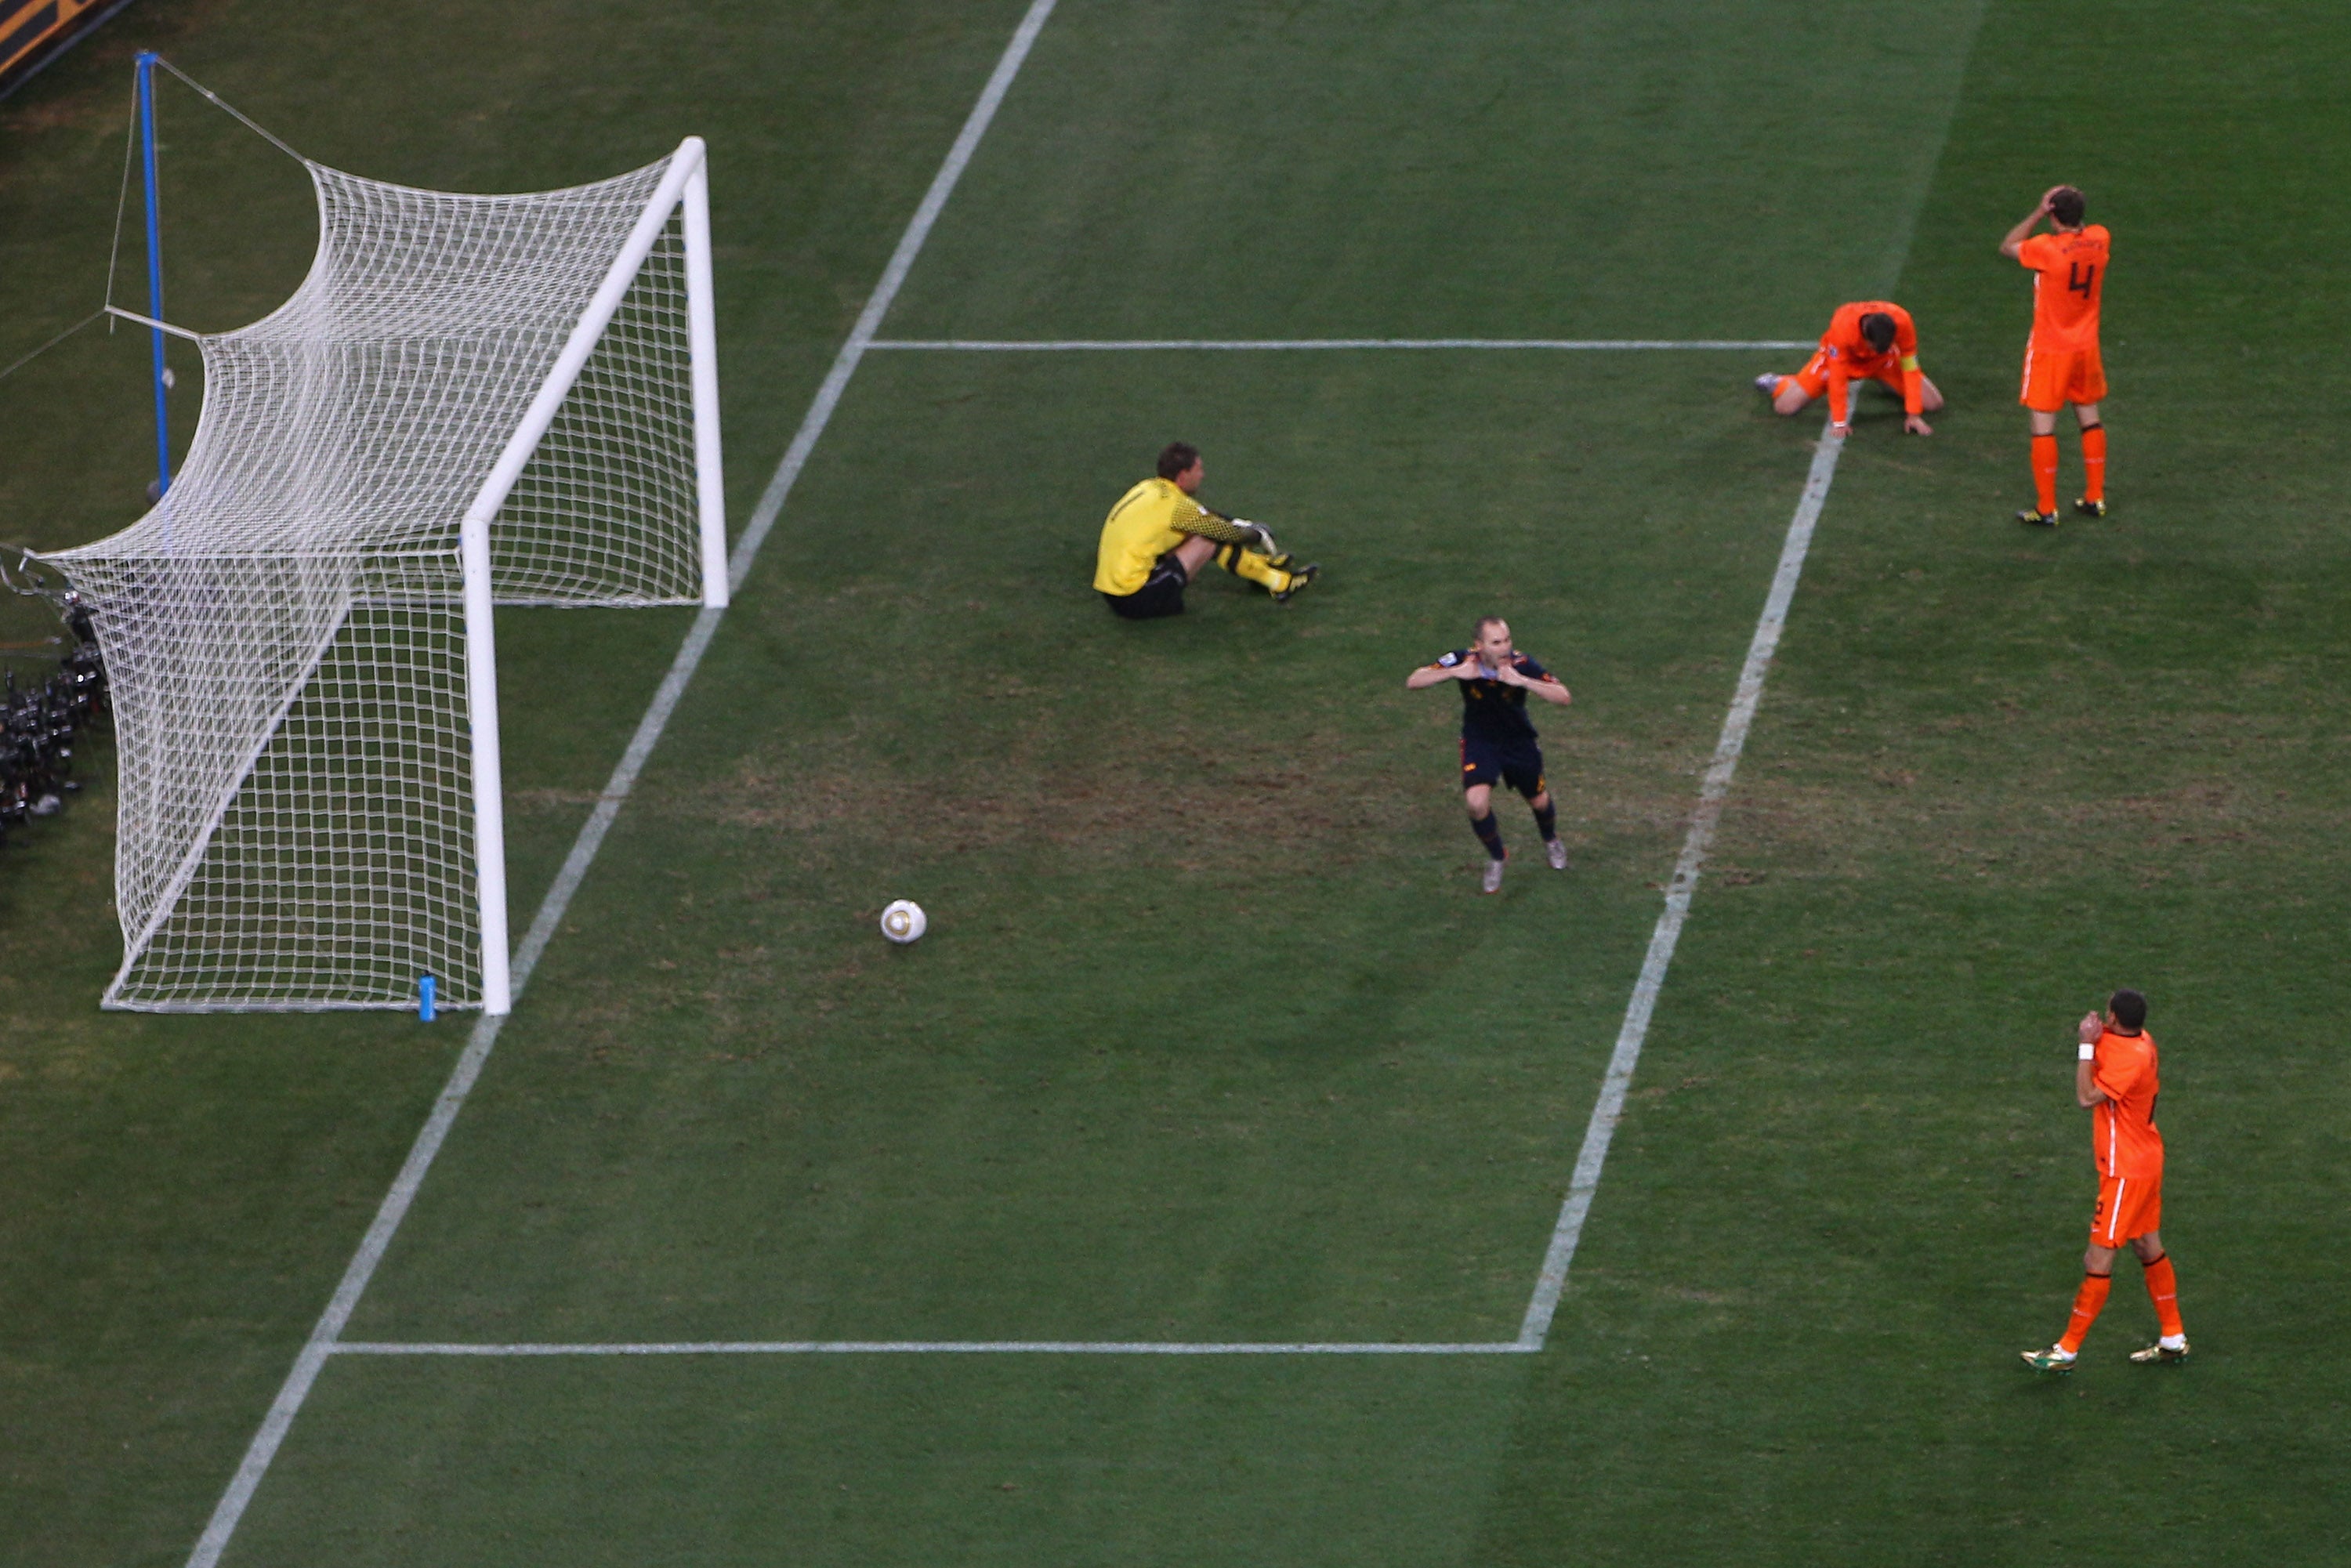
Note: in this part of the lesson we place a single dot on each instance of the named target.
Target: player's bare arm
(2087, 1094)
(2014, 246)
(1548, 688)
(1435, 675)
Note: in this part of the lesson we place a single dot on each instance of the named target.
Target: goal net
(470, 401)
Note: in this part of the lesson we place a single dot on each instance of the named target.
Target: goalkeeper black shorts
(1162, 592)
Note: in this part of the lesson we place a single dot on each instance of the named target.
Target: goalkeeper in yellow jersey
(1159, 536)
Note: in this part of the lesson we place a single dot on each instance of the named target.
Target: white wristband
(2089, 1053)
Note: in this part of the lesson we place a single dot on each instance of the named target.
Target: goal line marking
(938, 1347)
(1226, 345)
(324, 1335)
(1607, 1109)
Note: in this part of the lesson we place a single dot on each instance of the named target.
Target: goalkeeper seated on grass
(1158, 537)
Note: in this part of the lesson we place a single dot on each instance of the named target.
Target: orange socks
(2045, 469)
(1782, 384)
(2088, 1302)
(2094, 465)
(2163, 1289)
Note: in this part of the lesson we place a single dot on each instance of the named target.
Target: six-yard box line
(325, 1339)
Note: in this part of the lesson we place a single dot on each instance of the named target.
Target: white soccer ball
(904, 921)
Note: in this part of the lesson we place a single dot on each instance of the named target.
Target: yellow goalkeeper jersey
(1148, 521)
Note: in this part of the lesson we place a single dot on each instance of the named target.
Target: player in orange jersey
(1867, 340)
(2061, 360)
(2115, 1080)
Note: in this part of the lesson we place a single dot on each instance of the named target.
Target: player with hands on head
(1160, 535)
(1497, 741)
(2115, 1080)
(2061, 362)
(1867, 340)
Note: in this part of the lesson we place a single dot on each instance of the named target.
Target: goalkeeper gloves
(1257, 536)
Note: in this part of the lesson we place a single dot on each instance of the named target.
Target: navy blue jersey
(1491, 711)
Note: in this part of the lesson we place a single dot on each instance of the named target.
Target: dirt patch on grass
(1120, 799)
(1849, 815)
(1188, 802)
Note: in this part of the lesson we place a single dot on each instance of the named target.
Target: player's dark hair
(2128, 1007)
(1483, 621)
(1176, 457)
(2067, 206)
(1878, 328)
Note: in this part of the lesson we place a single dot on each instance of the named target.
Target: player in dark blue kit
(1497, 741)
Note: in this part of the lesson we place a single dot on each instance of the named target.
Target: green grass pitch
(1212, 1038)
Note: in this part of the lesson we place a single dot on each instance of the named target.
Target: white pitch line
(325, 1334)
(932, 1347)
(1225, 345)
(1607, 1109)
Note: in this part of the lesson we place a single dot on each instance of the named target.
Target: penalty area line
(1284, 345)
(936, 1347)
(1609, 1109)
(323, 1341)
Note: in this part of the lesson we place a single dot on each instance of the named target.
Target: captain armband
(1909, 362)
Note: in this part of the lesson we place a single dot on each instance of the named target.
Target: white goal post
(470, 401)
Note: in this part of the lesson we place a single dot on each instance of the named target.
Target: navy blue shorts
(1520, 766)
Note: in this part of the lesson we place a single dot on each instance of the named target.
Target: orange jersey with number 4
(2070, 275)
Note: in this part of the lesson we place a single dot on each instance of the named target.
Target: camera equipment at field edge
(39, 718)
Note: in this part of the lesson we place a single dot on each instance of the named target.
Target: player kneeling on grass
(1867, 340)
(1159, 536)
(1497, 741)
(2113, 1079)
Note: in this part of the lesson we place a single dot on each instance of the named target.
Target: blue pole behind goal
(154, 267)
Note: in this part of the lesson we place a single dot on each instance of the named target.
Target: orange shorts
(2129, 1207)
(1815, 377)
(2055, 376)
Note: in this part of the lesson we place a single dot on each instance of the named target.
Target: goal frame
(685, 184)
(682, 195)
